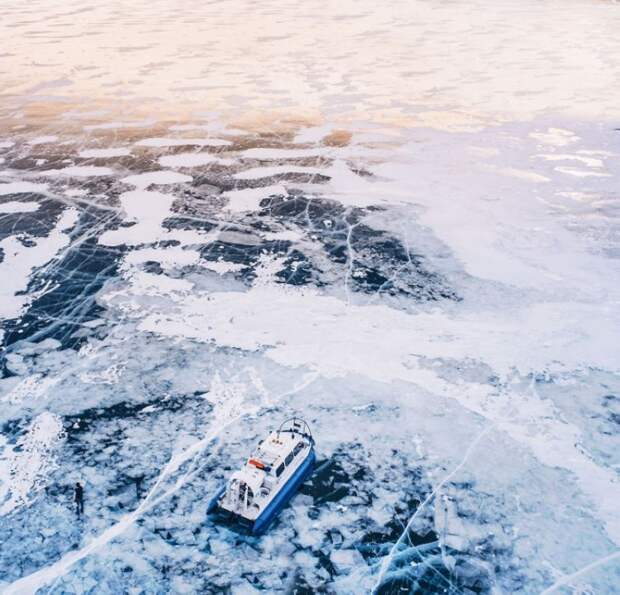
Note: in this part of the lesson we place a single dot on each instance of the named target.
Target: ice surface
(9, 188)
(156, 177)
(29, 462)
(21, 258)
(18, 207)
(79, 171)
(191, 160)
(104, 153)
(183, 142)
(399, 222)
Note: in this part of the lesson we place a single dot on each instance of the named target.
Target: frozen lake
(400, 222)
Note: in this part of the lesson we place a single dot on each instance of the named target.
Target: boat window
(279, 470)
(289, 458)
(298, 447)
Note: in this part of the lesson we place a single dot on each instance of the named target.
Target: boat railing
(296, 425)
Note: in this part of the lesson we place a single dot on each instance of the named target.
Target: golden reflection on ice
(441, 64)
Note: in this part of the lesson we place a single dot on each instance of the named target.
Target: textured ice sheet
(337, 213)
(200, 319)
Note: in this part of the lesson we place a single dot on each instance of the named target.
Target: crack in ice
(405, 534)
(230, 414)
(567, 579)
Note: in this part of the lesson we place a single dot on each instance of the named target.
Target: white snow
(79, 171)
(103, 153)
(148, 210)
(115, 125)
(25, 467)
(589, 161)
(156, 177)
(168, 257)
(29, 388)
(182, 142)
(582, 173)
(43, 140)
(20, 260)
(192, 160)
(18, 207)
(255, 173)
(267, 154)
(249, 199)
(22, 188)
(222, 266)
(555, 137)
(313, 134)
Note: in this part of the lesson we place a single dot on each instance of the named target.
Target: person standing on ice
(79, 499)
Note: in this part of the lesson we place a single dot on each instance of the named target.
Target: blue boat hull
(265, 519)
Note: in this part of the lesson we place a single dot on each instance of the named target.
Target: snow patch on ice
(79, 171)
(22, 188)
(222, 266)
(101, 153)
(18, 207)
(248, 199)
(266, 154)
(29, 389)
(148, 209)
(183, 142)
(192, 160)
(314, 134)
(582, 173)
(156, 177)
(555, 137)
(173, 256)
(21, 259)
(589, 161)
(114, 125)
(25, 468)
(256, 173)
(43, 140)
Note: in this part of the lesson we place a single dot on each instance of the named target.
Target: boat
(271, 476)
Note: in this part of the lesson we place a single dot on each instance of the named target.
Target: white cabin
(270, 468)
